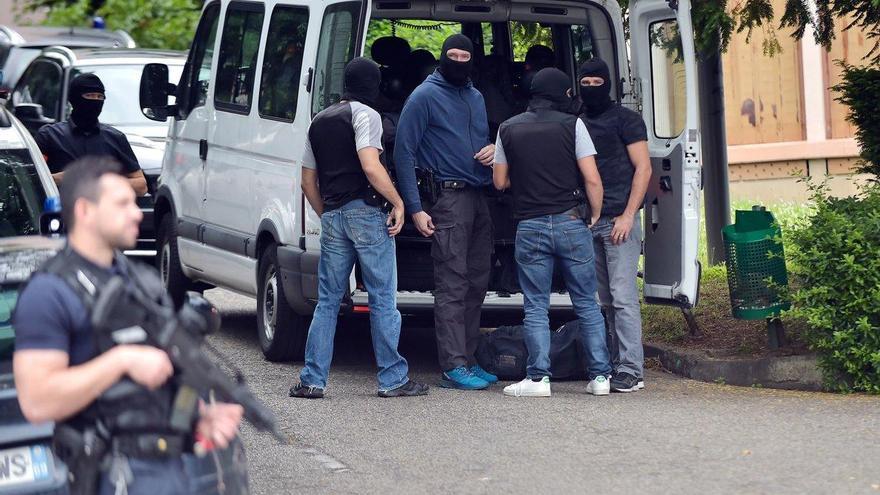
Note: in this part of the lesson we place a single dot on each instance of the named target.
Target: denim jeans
(617, 270)
(356, 232)
(541, 243)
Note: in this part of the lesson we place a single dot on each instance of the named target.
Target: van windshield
(21, 194)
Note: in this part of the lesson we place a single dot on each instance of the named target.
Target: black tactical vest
(340, 174)
(126, 408)
(540, 145)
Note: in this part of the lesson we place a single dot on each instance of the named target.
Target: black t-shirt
(64, 142)
(612, 132)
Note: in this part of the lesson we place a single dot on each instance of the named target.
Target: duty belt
(148, 445)
(453, 185)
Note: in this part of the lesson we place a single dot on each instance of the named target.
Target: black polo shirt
(64, 142)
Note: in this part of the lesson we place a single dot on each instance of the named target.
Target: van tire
(168, 261)
(282, 332)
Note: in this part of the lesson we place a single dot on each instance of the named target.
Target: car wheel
(281, 330)
(168, 261)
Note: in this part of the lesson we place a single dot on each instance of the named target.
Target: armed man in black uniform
(119, 398)
(82, 135)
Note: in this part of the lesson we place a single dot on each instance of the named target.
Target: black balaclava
(456, 73)
(596, 99)
(362, 79)
(551, 85)
(85, 112)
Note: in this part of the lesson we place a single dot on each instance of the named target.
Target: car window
(40, 84)
(237, 61)
(337, 46)
(282, 62)
(120, 82)
(21, 194)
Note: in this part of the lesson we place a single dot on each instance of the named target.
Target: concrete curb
(787, 372)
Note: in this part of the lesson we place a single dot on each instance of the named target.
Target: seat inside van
(512, 41)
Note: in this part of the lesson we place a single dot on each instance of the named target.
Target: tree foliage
(152, 23)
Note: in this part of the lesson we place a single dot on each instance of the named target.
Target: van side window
(337, 46)
(282, 62)
(196, 78)
(668, 79)
(236, 65)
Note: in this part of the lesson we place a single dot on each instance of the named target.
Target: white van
(229, 210)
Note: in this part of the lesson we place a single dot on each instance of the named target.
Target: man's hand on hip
(623, 225)
(486, 156)
(395, 220)
(424, 223)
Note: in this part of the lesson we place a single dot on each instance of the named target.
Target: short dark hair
(80, 180)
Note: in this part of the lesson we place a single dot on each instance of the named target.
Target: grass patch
(722, 334)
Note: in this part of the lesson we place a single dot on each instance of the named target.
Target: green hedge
(860, 91)
(835, 262)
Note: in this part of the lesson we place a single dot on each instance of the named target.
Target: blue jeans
(356, 232)
(540, 243)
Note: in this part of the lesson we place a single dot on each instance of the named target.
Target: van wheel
(281, 330)
(168, 261)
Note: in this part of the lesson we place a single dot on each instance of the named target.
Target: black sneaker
(306, 392)
(408, 389)
(624, 382)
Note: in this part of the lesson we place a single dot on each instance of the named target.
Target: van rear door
(664, 63)
(342, 37)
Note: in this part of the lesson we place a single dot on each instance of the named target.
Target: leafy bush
(860, 91)
(835, 262)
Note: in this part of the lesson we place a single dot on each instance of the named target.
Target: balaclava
(85, 112)
(551, 85)
(456, 73)
(362, 79)
(596, 99)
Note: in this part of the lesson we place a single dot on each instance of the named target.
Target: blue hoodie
(441, 128)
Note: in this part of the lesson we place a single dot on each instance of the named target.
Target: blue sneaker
(462, 379)
(479, 372)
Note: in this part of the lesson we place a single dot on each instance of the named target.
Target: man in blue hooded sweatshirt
(444, 128)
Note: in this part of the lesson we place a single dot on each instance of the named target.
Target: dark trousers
(462, 253)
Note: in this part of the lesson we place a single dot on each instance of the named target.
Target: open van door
(342, 37)
(664, 65)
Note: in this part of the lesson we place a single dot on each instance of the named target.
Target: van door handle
(309, 80)
(203, 149)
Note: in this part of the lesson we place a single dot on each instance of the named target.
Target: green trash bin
(754, 257)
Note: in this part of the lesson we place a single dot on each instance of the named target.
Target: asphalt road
(676, 436)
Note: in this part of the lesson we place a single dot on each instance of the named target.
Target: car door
(341, 38)
(189, 132)
(664, 62)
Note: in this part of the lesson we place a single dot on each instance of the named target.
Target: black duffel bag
(503, 353)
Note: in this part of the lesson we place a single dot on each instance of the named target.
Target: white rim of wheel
(270, 304)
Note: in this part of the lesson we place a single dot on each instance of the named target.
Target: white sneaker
(528, 388)
(599, 386)
(641, 384)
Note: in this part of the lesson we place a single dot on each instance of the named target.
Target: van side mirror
(31, 115)
(154, 92)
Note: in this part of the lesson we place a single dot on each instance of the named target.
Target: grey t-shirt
(367, 132)
(583, 144)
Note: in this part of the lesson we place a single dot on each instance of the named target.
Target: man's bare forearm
(59, 394)
(595, 192)
(641, 159)
(381, 182)
(313, 196)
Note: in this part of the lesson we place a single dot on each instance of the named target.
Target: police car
(27, 464)
(229, 210)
